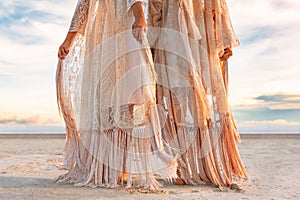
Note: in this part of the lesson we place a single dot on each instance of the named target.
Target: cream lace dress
(106, 94)
(188, 37)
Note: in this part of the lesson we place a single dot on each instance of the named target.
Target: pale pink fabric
(128, 118)
(192, 88)
(106, 93)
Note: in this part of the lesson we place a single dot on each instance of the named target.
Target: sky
(264, 70)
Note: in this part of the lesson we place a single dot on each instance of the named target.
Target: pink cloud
(28, 121)
(277, 122)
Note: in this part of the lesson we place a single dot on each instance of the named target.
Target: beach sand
(30, 164)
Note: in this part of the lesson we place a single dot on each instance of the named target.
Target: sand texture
(30, 164)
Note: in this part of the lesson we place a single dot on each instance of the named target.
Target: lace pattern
(110, 137)
(201, 118)
(80, 18)
(193, 132)
(126, 116)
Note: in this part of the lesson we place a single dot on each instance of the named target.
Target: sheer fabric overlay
(193, 90)
(128, 118)
(106, 94)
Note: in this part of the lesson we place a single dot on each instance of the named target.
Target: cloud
(269, 107)
(267, 60)
(280, 101)
(280, 98)
(18, 17)
(264, 72)
(31, 32)
(281, 4)
(255, 113)
(28, 121)
(258, 34)
(269, 126)
(19, 121)
(277, 122)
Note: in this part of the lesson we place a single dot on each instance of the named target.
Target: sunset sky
(264, 71)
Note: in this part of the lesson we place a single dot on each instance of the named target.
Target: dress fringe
(209, 153)
(113, 157)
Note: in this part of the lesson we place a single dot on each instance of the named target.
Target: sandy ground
(29, 166)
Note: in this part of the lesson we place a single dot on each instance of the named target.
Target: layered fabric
(106, 94)
(188, 38)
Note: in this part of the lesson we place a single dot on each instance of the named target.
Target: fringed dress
(106, 94)
(188, 38)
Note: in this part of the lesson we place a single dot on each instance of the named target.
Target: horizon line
(63, 133)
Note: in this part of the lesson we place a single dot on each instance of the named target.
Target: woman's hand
(139, 25)
(227, 53)
(65, 47)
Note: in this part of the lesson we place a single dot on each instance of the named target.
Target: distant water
(33, 130)
(38, 133)
(62, 133)
(61, 130)
(266, 132)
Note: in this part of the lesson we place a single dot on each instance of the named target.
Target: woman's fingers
(139, 28)
(227, 53)
(138, 33)
(135, 33)
(62, 52)
(141, 35)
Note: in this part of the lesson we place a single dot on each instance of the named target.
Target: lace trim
(129, 115)
(80, 18)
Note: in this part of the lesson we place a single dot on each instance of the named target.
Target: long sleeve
(229, 37)
(131, 2)
(80, 17)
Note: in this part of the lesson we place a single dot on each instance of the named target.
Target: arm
(139, 25)
(228, 37)
(63, 50)
(130, 4)
(78, 25)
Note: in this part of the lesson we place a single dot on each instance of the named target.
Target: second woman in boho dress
(192, 41)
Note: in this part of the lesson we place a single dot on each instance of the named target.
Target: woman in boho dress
(106, 94)
(191, 43)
